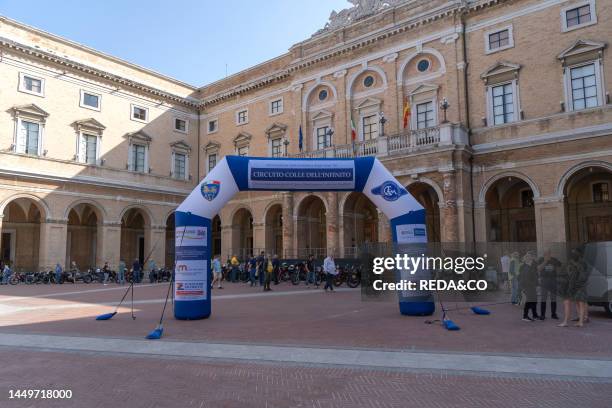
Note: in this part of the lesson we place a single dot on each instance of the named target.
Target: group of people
(106, 272)
(265, 269)
(549, 278)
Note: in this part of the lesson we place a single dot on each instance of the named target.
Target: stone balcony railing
(446, 134)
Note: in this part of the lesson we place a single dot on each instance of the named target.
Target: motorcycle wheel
(353, 281)
(14, 280)
(87, 279)
(295, 279)
(338, 281)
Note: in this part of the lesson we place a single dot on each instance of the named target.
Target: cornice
(66, 62)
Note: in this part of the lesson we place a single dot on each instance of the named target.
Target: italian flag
(353, 131)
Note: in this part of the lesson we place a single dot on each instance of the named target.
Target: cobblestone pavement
(293, 317)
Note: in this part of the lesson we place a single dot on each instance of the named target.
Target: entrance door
(141, 255)
(599, 228)
(7, 247)
(525, 231)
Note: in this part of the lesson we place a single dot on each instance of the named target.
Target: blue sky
(189, 40)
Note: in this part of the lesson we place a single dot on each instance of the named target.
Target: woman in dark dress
(572, 288)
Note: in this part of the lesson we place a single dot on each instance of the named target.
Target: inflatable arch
(235, 173)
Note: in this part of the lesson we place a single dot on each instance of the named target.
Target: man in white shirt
(329, 267)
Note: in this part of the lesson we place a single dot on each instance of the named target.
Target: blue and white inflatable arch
(235, 173)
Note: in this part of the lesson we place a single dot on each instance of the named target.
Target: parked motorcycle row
(89, 276)
(296, 274)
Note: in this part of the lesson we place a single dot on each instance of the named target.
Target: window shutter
(173, 165)
(130, 156)
(82, 148)
(21, 138)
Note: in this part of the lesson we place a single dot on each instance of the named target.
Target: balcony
(410, 141)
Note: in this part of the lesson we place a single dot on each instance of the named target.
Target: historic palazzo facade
(495, 115)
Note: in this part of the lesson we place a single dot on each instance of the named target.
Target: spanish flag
(406, 113)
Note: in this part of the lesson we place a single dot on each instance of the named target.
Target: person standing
(276, 266)
(528, 283)
(572, 288)
(6, 273)
(121, 272)
(329, 267)
(261, 263)
(505, 268)
(252, 265)
(136, 269)
(310, 271)
(235, 264)
(152, 271)
(548, 267)
(106, 272)
(58, 273)
(269, 269)
(513, 277)
(216, 269)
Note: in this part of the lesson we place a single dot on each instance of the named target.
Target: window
(139, 113)
(323, 137)
(213, 125)
(503, 104)
(322, 94)
(601, 192)
(423, 65)
(243, 150)
(370, 127)
(526, 198)
(90, 149)
(276, 107)
(138, 158)
(584, 87)
(90, 100)
(212, 161)
(180, 125)
(31, 84)
(30, 134)
(578, 15)
(425, 115)
(368, 81)
(180, 165)
(276, 147)
(242, 117)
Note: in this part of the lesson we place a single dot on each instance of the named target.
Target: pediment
(368, 102)
(212, 146)
(243, 137)
(89, 123)
(138, 136)
(581, 47)
(181, 145)
(29, 110)
(276, 128)
(500, 67)
(321, 115)
(423, 88)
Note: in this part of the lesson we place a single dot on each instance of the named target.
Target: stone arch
(242, 229)
(371, 68)
(299, 202)
(410, 57)
(360, 223)
(431, 183)
(97, 207)
(492, 180)
(311, 225)
(313, 88)
(561, 186)
(273, 227)
(149, 219)
(43, 207)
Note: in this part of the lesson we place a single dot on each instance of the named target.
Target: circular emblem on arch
(210, 189)
(389, 190)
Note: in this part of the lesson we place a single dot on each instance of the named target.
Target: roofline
(96, 52)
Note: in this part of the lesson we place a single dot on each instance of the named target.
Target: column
(332, 223)
(288, 226)
(450, 225)
(226, 242)
(109, 244)
(551, 227)
(259, 237)
(52, 247)
(480, 218)
(155, 244)
(384, 228)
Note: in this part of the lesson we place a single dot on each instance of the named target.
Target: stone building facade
(508, 138)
